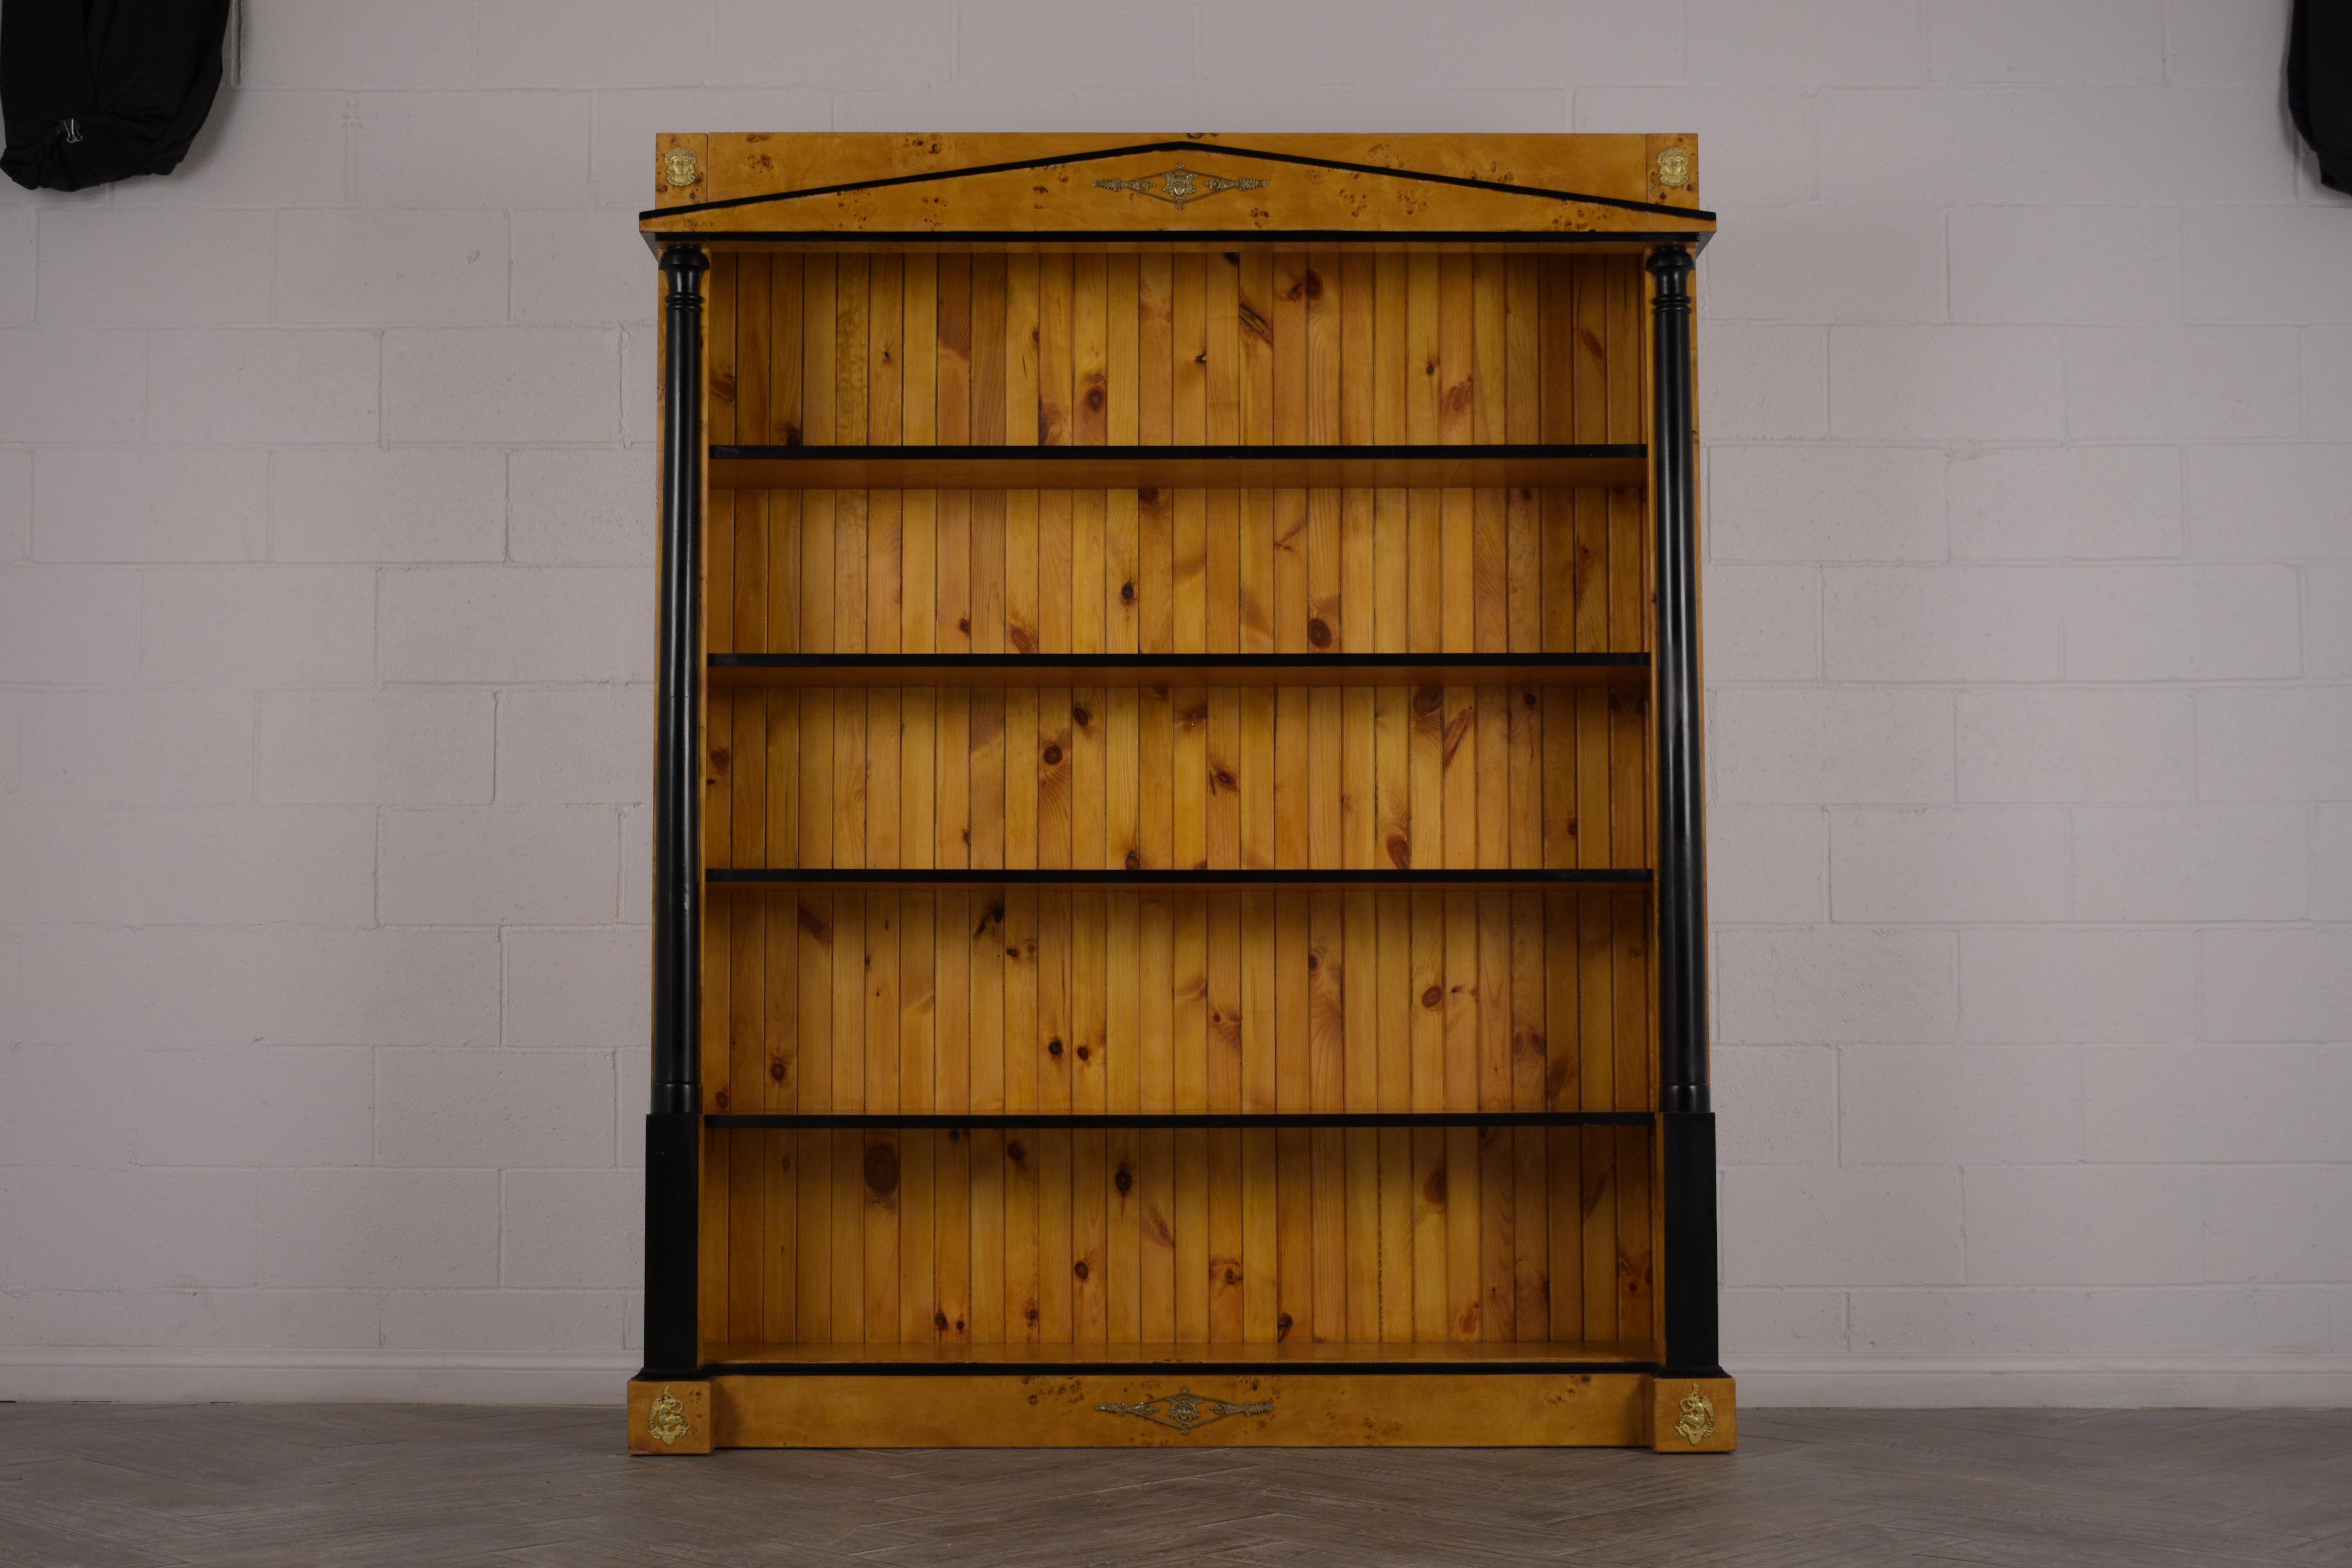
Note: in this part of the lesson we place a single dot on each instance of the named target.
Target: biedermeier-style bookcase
(1178, 910)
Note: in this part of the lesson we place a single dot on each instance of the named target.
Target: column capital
(685, 265)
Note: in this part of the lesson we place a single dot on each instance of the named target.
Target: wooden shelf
(1048, 1121)
(1549, 466)
(1071, 876)
(1178, 670)
(1498, 1355)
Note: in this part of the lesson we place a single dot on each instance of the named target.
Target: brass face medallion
(1695, 1417)
(665, 1422)
(1675, 168)
(1184, 1409)
(678, 168)
(1180, 186)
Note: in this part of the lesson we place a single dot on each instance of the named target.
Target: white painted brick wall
(490, 867)
(326, 485)
(248, 385)
(2077, 743)
(288, 625)
(380, 1227)
(460, 1108)
(396, 746)
(2156, 1323)
(384, 269)
(377, 505)
(2054, 986)
(121, 746)
(176, 503)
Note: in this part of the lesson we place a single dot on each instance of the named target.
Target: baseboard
(425, 1377)
(2081, 1382)
(1850, 1382)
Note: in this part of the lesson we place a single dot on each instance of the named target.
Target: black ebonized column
(673, 1126)
(1687, 1119)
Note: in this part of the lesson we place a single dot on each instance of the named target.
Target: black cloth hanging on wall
(2319, 85)
(94, 91)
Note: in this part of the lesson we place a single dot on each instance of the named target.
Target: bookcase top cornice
(833, 189)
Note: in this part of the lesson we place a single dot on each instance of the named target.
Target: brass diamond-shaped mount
(1184, 1409)
(1180, 186)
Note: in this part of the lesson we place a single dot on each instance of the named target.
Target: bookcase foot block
(1179, 1411)
(1693, 1416)
(669, 1417)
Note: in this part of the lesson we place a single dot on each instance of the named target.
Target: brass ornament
(678, 168)
(1184, 1410)
(1695, 1417)
(1675, 168)
(666, 1421)
(1180, 186)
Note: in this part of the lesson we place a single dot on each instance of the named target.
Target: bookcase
(1178, 889)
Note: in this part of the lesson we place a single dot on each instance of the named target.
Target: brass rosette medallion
(1675, 168)
(678, 168)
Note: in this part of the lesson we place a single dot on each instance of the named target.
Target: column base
(1693, 1416)
(669, 1416)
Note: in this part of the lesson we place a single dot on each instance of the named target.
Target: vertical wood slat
(933, 353)
(1514, 347)
(1250, 332)
(1454, 1181)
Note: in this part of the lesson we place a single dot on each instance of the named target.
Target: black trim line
(1167, 1368)
(1203, 662)
(1228, 452)
(1500, 238)
(1090, 876)
(1057, 160)
(1180, 1120)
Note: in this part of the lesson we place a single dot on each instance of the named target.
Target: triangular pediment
(1102, 188)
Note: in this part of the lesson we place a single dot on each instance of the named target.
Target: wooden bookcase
(1178, 903)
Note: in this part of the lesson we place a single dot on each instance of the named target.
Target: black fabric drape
(94, 91)
(2319, 85)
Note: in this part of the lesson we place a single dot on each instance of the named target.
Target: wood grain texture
(958, 349)
(1034, 1241)
(1056, 1411)
(1246, 1001)
(1239, 784)
(1365, 187)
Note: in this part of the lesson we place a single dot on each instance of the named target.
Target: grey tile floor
(262, 1485)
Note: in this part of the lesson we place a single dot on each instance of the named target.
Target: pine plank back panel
(1486, 1000)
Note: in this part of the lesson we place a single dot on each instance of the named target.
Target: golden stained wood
(858, 189)
(1435, 315)
(1693, 1416)
(1258, 1409)
(1135, 467)
(669, 1417)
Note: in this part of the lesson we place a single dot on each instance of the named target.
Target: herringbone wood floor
(263, 1485)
